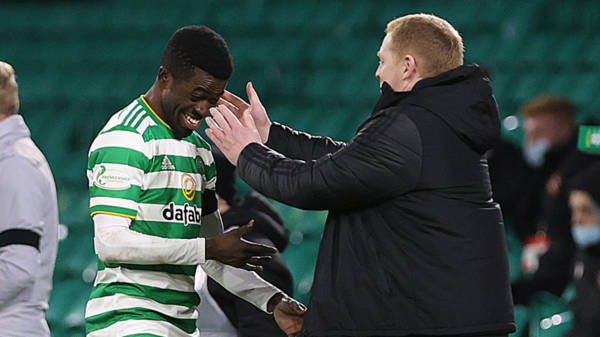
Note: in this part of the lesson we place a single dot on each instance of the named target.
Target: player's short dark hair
(197, 46)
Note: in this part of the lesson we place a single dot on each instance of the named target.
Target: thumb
(247, 120)
(247, 228)
(252, 95)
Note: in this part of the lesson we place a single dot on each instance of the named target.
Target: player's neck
(152, 97)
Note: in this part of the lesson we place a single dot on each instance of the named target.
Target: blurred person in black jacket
(414, 243)
(222, 314)
(543, 218)
(508, 171)
(508, 174)
(584, 200)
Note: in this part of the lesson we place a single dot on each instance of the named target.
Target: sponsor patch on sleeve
(111, 179)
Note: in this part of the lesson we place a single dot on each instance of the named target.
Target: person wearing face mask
(584, 201)
(549, 138)
(543, 216)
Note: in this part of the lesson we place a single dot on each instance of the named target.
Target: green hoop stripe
(164, 296)
(104, 320)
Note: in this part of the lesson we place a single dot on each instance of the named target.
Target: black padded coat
(413, 243)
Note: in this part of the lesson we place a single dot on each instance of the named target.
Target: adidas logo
(166, 164)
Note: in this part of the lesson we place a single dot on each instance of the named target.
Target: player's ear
(409, 66)
(164, 77)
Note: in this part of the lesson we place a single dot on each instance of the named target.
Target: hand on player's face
(232, 249)
(230, 134)
(238, 106)
(185, 102)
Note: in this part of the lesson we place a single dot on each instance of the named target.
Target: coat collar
(13, 127)
(389, 97)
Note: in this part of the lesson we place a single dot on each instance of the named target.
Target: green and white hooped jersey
(137, 169)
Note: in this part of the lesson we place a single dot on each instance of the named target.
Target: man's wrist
(208, 249)
(265, 133)
(275, 299)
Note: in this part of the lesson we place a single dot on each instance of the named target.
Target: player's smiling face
(185, 102)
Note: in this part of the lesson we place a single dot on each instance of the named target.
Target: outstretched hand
(238, 106)
(230, 134)
(232, 249)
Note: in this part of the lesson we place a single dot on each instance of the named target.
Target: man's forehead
(385, 43)
(202, 80)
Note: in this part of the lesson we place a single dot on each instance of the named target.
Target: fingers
(252, 95)
(231, 119)
(217, 115)
(256, 263)
(229, 105)
(235, 100)
(293, 307)
(247, 120)
(225, 119)
(252, 267)
(215, 133)
(214, 127)
(259, 260)
(236, 111)
(257, 249)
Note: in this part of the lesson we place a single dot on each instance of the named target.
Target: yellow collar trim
(154, 113)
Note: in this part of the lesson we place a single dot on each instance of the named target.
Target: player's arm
(283, 139)
(300, 145)
(247, 284)
(383, 160)
(20, 229)
(114, 242)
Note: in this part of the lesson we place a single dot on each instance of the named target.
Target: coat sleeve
(22, 207)
(383, 160)
(300, 145)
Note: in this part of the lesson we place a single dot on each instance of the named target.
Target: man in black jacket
(414, 243)
(584, 200)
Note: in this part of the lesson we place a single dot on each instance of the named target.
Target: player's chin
(186, 132)
(182, 132)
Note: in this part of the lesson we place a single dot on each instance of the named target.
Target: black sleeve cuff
(277, 133)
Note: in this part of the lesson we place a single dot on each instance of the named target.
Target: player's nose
(202, 107)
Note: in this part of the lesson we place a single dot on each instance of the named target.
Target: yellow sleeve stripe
(112, 213)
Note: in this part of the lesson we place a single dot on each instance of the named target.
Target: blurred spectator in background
(221, 313)
(28, 221)
(543, 217)
(584, 200)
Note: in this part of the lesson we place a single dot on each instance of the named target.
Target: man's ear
(409, 65)
(164, 77)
